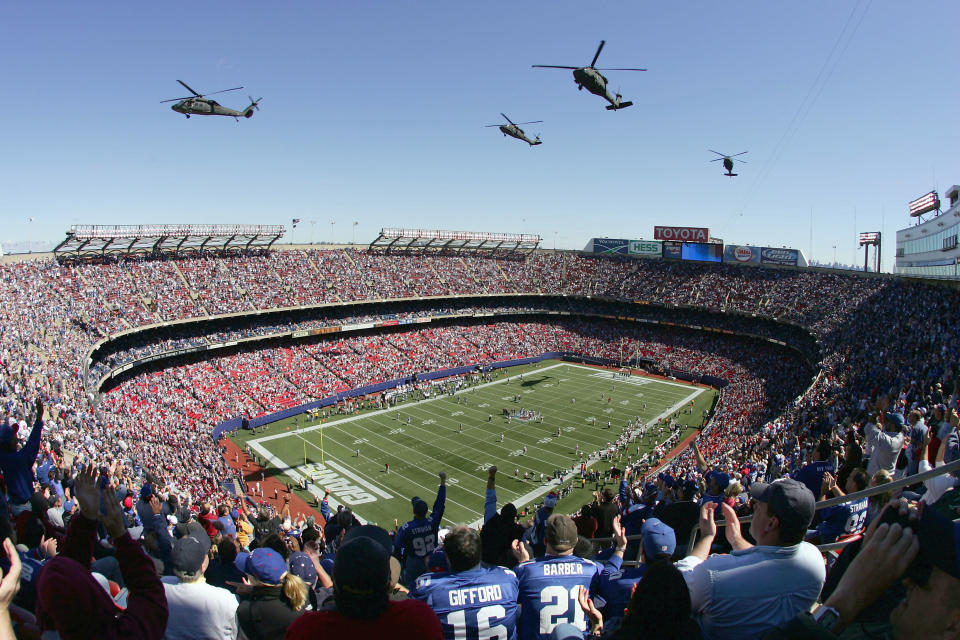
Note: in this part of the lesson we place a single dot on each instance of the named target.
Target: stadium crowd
(106, 494)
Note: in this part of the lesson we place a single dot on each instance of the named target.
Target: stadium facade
(929, 249)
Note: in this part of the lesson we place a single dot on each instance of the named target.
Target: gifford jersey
(474, 604)
(842, 520)
(549, 587)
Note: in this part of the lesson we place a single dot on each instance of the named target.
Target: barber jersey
(549, 587)
(844, 519)
(474, 604)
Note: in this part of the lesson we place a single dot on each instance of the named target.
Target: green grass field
(430, 441)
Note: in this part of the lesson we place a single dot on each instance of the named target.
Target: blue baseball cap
(658, 539)
(302, 566)
(266, 565)
(550, 501)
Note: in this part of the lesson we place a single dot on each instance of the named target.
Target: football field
(465, 433)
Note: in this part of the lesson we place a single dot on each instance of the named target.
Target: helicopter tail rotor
(248, 112)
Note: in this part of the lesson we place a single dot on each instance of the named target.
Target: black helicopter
(514, 131)
(728, 161)
(595, 82)
(199, 105)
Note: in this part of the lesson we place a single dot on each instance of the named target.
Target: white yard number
(458, 620)
(484, 405)
(428, 421)
(452, 481)
(544, 440)
(484, 466)
(360, 441)
(561, 602)
(394, 432)
(456, 413)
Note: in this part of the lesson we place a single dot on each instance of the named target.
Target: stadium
(461, 321)
(228, 373)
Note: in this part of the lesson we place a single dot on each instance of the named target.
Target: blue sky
(373, 112)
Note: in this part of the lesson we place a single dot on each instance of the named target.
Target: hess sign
(682, 234)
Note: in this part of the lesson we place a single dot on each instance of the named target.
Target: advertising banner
(741, 253)
(682, 234)
(650, 248)
(610, 245)
(771, 255)
(645, 248)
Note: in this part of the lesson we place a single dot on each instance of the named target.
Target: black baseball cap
(790, 500)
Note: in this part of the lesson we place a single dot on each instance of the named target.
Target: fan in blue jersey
(417, 539)
(717, 481)
(617, 582)
(812, 473)
(842, 520)
(472, 602)
(550, 586)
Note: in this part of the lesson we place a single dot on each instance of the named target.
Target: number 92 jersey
(479, 604)
(549, 588)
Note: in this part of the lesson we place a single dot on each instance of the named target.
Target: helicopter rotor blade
(531, 122)
(738, 154)
(176, 99)
(221, 91)
(188, 88)
(597, 54)
(493, 125)
(552, 66)
(717, 159)
(738, 160)
(717, 152)
(508, 119)
(621, 69)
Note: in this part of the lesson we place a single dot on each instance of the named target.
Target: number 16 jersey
(479, 604)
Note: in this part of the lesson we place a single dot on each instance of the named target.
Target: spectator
(416, 539)
(17, 464)
(755, 588)
(470, 600)
(362, 606)
(921, 550)
(884, 443)
(499, 529)
(550, 586)
(659, 608)
(275, 597)
(197, 610)
(71, 602)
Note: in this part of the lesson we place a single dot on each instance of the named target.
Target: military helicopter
(728, 161)
(198, 105)
(595, 82)
(514, 131)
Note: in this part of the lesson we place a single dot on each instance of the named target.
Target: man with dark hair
(550, 586)
(920, 548)
(417, 539)
(470, 600)
(499, 529)
(361, 606)
(755, 589)
(845, 519)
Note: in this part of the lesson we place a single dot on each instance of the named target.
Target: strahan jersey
(549, 587)
(842, 520)
(415, 540)
(475, 604)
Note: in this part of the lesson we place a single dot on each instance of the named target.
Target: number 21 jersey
(549, 587)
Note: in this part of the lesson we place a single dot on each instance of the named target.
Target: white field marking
(397, 474)
(536, 493)
(465, 436)
(341, 422)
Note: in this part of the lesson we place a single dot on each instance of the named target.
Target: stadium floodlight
(444, 240)
(924, 204)
(92, 241)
